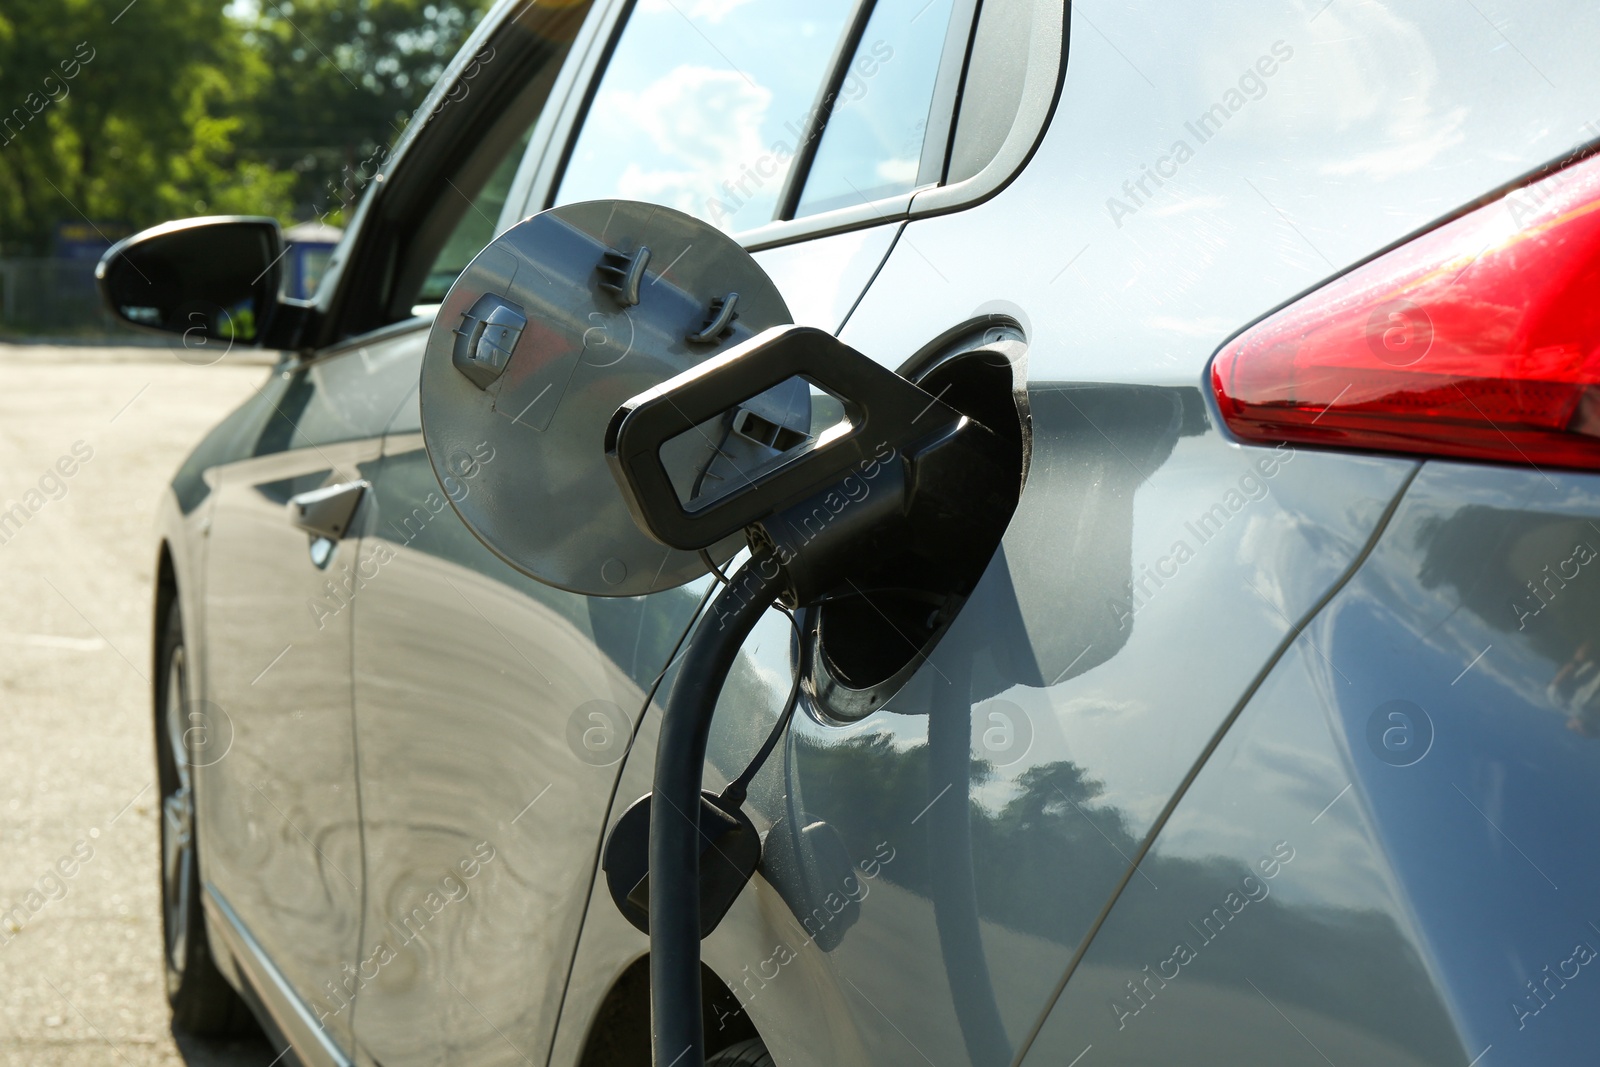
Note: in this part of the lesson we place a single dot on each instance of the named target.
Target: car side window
(439, 203)
(703, 105)
(477, 225)
(872, 146)
(475, 194)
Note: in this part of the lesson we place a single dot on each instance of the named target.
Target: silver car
(1265, 728)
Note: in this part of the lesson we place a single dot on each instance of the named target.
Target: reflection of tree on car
(1538, 585)
(1059, 838)
(1576, 690)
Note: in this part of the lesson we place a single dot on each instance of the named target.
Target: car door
(283, 849)
(288, 868)
(493, 712)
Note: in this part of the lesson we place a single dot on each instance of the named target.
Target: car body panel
(280, 793)
(284, 840)
(821, 279)
(1108, 707)
(279, 1007)
(1380, 122)
(422, 801)
(1427, 750)
(1053, 722)
(476, 690)
(1254, 214)
(1139, 307)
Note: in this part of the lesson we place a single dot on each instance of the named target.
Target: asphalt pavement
(80, 953)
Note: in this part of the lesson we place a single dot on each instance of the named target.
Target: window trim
(342, 292)
(575, 108)
(1044, 75)
(948, 85)
(436, 223)
(378, 336)
(822, 105)
(938, 126)
(587, 50)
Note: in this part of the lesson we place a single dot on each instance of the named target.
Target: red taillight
(1480, 339)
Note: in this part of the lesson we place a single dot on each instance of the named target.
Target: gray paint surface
(1082, 708)
(1427, 749)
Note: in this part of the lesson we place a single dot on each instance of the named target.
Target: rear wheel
(750, 1053)
(202, 1001)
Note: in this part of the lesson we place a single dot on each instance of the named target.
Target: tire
(750, 1053)
(203, 1003)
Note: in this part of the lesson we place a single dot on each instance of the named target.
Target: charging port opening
(865, 647)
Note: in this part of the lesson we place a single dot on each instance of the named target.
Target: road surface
(81, 977)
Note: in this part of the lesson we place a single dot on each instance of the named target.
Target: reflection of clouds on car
(713, 11)
(702, 105)
(702, 123)
(1399, 88)
(896, 171)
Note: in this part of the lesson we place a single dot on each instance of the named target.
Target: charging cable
(676, 839)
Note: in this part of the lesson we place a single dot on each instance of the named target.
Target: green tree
(125, 114)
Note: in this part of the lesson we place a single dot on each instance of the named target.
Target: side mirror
(203, 279)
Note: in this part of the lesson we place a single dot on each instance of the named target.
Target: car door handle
(327, 512)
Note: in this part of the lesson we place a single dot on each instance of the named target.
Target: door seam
(1204, 756)
(865, 289)
(611, 801)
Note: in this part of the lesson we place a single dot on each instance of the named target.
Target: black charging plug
(885, 500)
